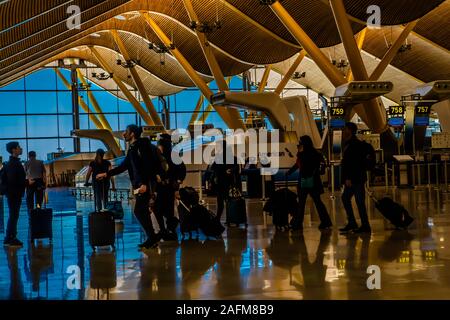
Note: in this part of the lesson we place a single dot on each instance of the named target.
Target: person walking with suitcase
(13, 184)
(357, 154)
(101, 187)
(142, 171)
(37, 181)
(168, 183)
(309, 163)
(226, 174)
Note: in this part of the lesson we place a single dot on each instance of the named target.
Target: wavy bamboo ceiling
(33, 36)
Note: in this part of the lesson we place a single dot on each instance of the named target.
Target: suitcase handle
(182, 203)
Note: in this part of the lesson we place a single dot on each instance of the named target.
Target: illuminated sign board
(337, 123)
(396, 110)
(423, 109)
(337, 112)
(422, 114)
(396, 121)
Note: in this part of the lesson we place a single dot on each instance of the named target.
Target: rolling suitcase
(208, 222)
(102, 229)
(236, 210)
(188, 221)
(41, 221)
(282, 203)
(392, 211)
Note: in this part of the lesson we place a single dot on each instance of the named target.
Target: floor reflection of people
(196, 259)
(40, 262)
(103, 276)
(229, 281)
(314, 273)
(159, 277)
(288, 251)
(356, 269)
(16, 291)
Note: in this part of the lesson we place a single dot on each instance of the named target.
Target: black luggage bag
(393, 211)
(41, 220)
(188, 220)
(236, 210)
(282, 203)
(189, 196)
(208, 221)
(102, 229)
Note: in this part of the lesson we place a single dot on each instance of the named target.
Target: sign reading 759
(337, 111)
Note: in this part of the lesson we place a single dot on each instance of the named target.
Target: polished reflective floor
(257, 263)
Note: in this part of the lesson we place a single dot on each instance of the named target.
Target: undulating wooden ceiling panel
(27, 50)
(13, 12)
(435, 26)
(424, 61)
(153, 85)
(314, 16)
(393, 12)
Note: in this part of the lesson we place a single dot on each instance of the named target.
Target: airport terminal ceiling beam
(207, 51)
(95, 104)
(265, 77)
(279, 89)
(202, 118)
(83, 104)
(348, 40)
(137, 80)
(230, 116)
(137, 106)
(392, 51)
(331, 72)
(360, 40)
(196, 112)
(372, 111)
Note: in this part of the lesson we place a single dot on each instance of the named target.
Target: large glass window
(36, 110)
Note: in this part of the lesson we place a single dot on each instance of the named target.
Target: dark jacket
(15, 177)
(222, 180)
(142, 163)
(353, 162)
(309, 163)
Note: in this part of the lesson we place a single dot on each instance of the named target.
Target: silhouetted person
(37, 181)
(226, 171)
(14, 180)
(101, 187)
(309, 163)
(168, 182)
(142, 169)
(354, 177)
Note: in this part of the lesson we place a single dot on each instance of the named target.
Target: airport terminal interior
(75, 73)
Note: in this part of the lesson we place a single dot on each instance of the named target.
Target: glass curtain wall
(36, 110)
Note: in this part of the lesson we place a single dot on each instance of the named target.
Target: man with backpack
(142, 165)
(12, 185)
(358, 158)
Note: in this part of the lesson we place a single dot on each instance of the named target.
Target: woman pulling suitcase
(309, 163)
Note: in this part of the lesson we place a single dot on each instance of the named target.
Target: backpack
(370, 159)
(3, 181)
